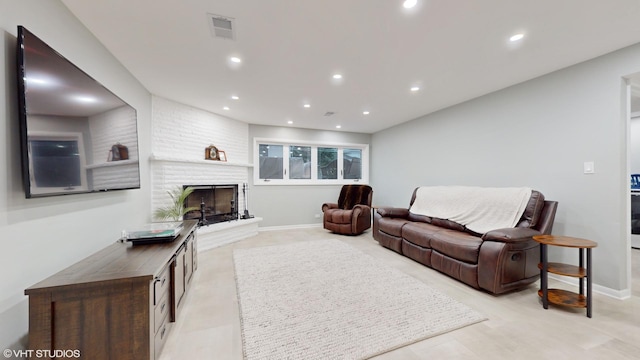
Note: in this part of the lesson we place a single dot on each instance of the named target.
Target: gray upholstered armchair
(352, 214)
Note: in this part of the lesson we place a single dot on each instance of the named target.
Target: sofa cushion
(533, 211)
(391, 226)
(458, 245)
(421, 218)
(448, 224)
(419, 233)
(416, 253)
(467, 273)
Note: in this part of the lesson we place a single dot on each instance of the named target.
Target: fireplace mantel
(163, 158)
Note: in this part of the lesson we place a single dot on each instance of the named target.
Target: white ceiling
(454, 50)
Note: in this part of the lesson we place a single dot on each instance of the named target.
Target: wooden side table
(563, 297)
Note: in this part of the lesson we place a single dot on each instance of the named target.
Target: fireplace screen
(214, 203)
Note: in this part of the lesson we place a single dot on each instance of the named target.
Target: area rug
(324, 299)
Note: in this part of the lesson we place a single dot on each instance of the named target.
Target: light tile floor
(518, 327)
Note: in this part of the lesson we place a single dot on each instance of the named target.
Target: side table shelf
(582, 272)
(566, 298)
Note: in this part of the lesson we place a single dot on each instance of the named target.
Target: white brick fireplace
(180, 134)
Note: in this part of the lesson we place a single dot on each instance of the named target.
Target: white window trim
(57, 136)
(314, 161)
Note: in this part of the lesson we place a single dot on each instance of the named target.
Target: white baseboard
(616, 294)
(289, 227)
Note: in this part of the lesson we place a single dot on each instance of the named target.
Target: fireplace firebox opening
(215, 203)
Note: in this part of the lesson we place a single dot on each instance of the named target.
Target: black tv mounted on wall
(76, 135)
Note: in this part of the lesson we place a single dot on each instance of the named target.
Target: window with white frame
(283, 162)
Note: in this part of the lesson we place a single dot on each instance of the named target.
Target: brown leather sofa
(497, 261)
(351, 215)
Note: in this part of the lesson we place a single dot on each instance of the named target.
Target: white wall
(43, 236)
(290, 205)
(536, 134)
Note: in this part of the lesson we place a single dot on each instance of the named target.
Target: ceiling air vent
(222, 26)
(329, 113)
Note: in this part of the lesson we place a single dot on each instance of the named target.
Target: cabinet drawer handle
(160, 280)
(164, 304)
(164, 329)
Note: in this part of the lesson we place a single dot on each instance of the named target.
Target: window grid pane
(299, 162)
(352, 163)
(271, 161)
(327, 163)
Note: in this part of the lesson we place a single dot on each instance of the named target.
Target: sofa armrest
(327, 206)
(510, 235)
(393, 212)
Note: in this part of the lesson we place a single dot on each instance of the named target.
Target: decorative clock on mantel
(211, 153)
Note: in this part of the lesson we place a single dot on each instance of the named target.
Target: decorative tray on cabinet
(154, 233)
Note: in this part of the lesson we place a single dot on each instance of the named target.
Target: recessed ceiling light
(307, 105)
(338, 126)
(32, 81)
(415, 88)
(408, 4)
(289, 122)
(234, 97)
(365, 113)
(516, 37)
(337, 76)
(225, 108)
(85, 99)
(235, 59)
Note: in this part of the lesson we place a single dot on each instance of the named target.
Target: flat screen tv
(76, 135)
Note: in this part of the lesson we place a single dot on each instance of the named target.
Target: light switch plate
(589, 167)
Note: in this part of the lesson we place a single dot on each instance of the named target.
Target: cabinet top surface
(565, 241)
(118, 261)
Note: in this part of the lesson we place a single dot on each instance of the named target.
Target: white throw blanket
(479, 209)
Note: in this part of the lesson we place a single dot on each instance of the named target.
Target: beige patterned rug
(324, 299)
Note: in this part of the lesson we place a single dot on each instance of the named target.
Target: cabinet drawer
(160, 312)
(161, 286)
(161, 338)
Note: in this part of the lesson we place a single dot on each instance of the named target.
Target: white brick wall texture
(122, 177)
(107, 129)
(180, 134)
(112, 127)
(182, 131)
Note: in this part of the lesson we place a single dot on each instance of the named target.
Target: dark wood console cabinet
(118, 303)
